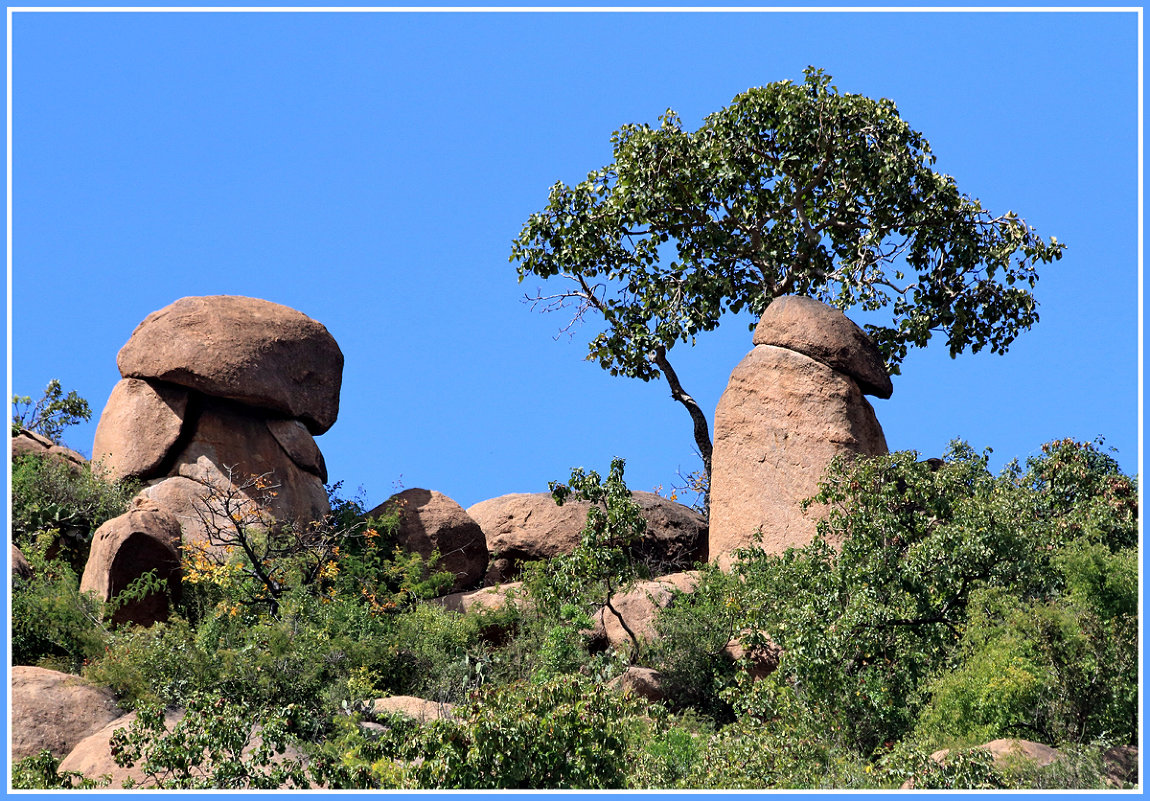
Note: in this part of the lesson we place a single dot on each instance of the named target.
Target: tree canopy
(791, 189)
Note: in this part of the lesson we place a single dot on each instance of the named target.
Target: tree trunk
(702, 427)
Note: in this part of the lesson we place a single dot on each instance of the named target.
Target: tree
(791, 189)
(51, 414)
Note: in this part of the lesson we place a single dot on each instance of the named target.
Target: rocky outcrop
(430, 521)
(782, 419)
(143, 539)
(139, 425)
(54, 711)
(24, 442)
(488, 598)
(217, 392)
(525, 527)
(639, 682)
(253, 351)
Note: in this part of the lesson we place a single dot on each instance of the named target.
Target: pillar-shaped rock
(784, 416)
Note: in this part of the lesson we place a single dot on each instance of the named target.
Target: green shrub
(51, 495)
(42, 772)
(53, 623)
(51, 414)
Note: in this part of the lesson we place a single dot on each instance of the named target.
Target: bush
(51, 414)
(69, 502)
(53, 623)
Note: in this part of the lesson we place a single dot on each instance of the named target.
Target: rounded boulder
(54, 711)
(244, 349)
(826, 335)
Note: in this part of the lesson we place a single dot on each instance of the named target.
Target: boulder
(486, 598)
(415, 708)
(141, 422)
(639, 605)
(1121, 765)
(640, 682)
(21, 570)
(245, 349)
(144, 538)
(298, 444)
(525, 527)
(187, 500)
(24, 442)
(233, 444)
(429, 521)
(825, 334)
(781, 420)
(55, 711)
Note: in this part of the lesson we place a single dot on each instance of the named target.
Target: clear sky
(371, 171)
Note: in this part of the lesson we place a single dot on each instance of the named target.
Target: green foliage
(72, 501)
(572, 588)
(566, 733)
(41, 772)
(53, 623)
(867, 629)
(51, 413)
(214, 746)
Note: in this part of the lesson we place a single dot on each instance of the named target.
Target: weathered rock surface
(428, 521)
(141, 422)
(495, 597)
(245, 349)
(781, 420)
(640, 682)
(55, 711)
(814, 329)
(412, 707)
(524, 527)
(20, 568)
(231, 436)
(24, 442)
(297, 442)
(185, 499)
(639, 606)
(144, 538)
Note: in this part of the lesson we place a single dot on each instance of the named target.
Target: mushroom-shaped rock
(244, 349)
(141, 422)
(525, 527)
(54, 711)
(144, 538)
(814, 329)
(430, 521)
(782, 419)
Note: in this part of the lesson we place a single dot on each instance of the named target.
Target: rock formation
(792, 404)
(524, 527)
(55, 711)
(217, 390)
(144, 538)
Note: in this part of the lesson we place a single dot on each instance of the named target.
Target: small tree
(791, 189)
(51, 414)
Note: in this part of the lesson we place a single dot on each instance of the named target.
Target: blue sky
(371, 171)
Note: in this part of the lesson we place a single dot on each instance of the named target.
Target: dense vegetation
(940, 606)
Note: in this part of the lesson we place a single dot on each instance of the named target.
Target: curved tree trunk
(702, 427)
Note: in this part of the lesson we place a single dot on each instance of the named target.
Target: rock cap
(243, 349)
(825, 334)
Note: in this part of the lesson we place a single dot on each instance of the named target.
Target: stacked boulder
(791, 405)
(215, 392)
